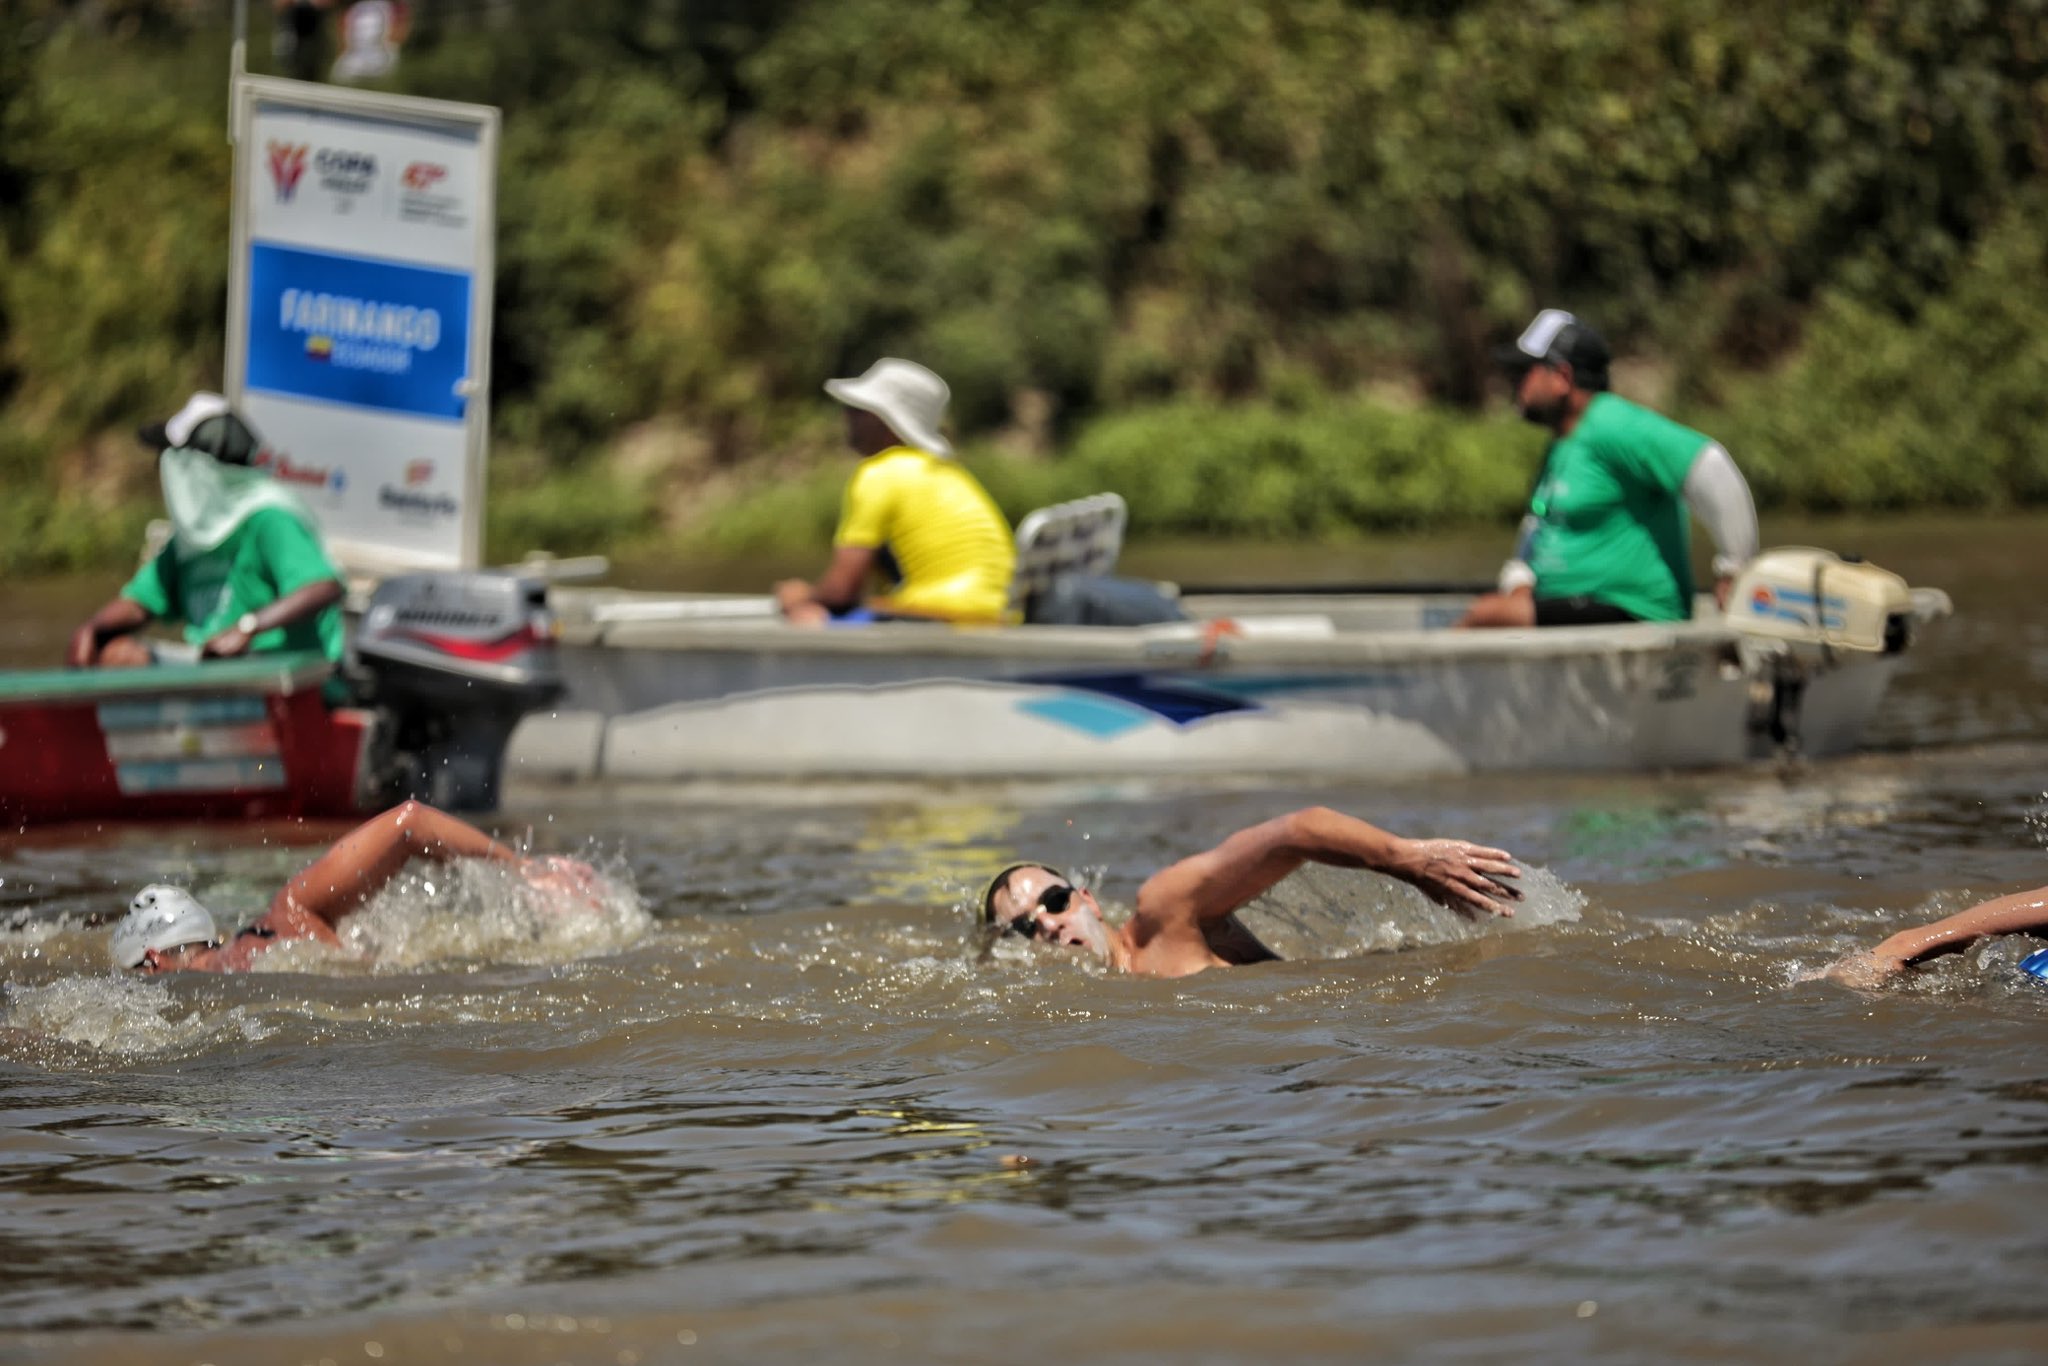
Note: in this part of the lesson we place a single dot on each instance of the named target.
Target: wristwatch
(246, 624)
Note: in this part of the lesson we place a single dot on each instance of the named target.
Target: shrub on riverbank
(1173, 241)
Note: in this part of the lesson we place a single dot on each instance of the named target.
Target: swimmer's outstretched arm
(1211, 885)
(2006, 915)
(364, 860)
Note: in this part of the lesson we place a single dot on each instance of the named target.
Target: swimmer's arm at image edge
(2003, 915)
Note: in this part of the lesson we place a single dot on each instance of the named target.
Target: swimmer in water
(165, 930)
(1185, 921)
(2005, 915)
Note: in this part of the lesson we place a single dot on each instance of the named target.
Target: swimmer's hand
(1459, 874)
(564, 877)
(1863, 968)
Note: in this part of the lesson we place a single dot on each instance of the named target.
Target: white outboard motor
(1803, 612)
(455, 659)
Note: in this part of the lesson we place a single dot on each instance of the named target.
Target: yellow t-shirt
(950, 541)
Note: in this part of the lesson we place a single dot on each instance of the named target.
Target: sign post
(359, 311)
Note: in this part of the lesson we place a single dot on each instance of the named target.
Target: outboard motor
(455, 659)
(1803, 612)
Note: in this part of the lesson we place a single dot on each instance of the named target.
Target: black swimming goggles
(1053, 900)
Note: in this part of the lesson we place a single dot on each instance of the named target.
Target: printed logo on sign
(283, 470)
(422, 197)
(343, 171)
(359, 334)
(413, 499)
(287, 164)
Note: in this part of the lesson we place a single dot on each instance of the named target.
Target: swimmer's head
(159, 919)
(1040, 902)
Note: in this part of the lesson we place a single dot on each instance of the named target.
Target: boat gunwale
(1179, 643)
(267, 675)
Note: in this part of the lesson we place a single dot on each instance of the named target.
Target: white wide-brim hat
(910, 398)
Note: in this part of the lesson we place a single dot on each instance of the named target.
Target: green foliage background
(1242, 260)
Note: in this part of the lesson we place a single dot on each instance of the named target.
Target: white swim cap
(160, 917)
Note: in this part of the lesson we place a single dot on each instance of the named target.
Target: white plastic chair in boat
(1084, 536)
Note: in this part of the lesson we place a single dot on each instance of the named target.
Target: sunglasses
(1053, 900)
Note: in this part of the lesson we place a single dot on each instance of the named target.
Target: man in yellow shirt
(909, 503)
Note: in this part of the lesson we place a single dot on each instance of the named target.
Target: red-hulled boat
(441, 669)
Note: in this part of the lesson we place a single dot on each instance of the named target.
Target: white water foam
(434, 913)
(475, 910)
(1324, 912)
(121, 1015)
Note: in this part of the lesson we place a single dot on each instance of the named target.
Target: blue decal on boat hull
(1090, 715)
(1173, 700)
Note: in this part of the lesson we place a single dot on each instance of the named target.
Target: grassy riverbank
(1243, 262)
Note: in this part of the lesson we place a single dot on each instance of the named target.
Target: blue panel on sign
(372, 334)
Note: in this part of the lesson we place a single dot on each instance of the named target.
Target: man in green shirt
(244, 569)
(1608, 538)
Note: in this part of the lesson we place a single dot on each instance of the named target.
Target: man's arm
(1516, 573)
(120, 617)
(2006, 915)
(1211, 885)
(303, 602)
(1513, 603)
(1719, 497)
(837, 589)
(368, 857)
(300, 572)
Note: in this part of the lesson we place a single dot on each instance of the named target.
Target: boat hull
(230, 740)
(1359, 689)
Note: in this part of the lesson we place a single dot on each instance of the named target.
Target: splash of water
(435, 913)
(475, 910)
(1324, 912)
(121, 1015)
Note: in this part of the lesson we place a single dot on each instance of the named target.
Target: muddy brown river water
(776, 1103)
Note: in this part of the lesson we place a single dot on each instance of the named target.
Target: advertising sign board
(359, 311)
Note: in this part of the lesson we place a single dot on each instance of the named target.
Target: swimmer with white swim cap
(1185, 918)
(166, 930)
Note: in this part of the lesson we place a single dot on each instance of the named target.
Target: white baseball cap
(160, 918)
(910, 398)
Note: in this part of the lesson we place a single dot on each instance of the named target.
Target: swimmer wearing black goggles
(1053, 901)
(1183, 918)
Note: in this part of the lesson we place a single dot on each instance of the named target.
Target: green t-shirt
(270, 554)
(1612, 523)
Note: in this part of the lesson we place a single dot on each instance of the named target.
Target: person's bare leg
(1501, 609)
(363, 861)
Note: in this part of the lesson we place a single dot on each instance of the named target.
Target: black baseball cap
(1556, 337)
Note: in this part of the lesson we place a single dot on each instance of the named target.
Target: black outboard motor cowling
(455, 659)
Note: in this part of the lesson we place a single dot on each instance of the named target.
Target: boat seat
(1084, 536)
